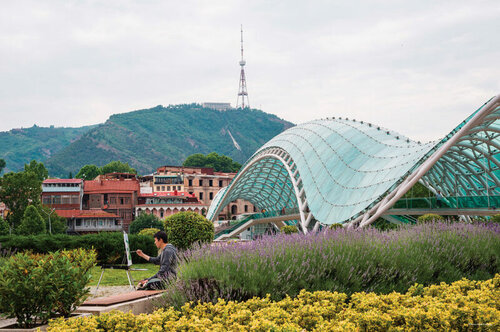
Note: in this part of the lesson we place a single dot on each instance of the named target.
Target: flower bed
(463, 305)
(340, 260)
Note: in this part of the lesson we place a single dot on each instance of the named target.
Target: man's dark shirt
(167, 261)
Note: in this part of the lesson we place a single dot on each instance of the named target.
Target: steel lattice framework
(346, 171)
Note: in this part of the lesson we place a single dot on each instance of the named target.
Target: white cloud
(417, 67)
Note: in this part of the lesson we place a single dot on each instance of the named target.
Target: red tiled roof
(111, 186)
(63, 181)
(78, 214)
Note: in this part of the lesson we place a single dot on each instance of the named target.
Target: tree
(88, 172)
(17, 191)
(37, 168)
(4, 227)
(2, 165)
(145, 220)
(220, 163)
(117, 167)
(32, 222)
(186, 228)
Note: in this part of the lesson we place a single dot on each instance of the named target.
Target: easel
(123, 266)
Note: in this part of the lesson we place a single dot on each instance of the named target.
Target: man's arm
(154, 260)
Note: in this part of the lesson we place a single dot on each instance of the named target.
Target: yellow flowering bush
(462, 305)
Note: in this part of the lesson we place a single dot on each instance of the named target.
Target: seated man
(167, 259)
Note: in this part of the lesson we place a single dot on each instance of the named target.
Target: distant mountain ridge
(20, 146)
(159, 136)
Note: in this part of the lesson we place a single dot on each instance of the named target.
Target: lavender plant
(338, 260)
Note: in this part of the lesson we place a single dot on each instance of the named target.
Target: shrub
(341, 260)
(335, 226)
(109, 246)
(149, 231)
(462, 306)
(289, 230)
(186, 228)
(35, 287)
(145, 220)
(496, 218)
(4, 227)
(430, 217)
(32, 222)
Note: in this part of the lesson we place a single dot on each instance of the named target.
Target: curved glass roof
(338, 168)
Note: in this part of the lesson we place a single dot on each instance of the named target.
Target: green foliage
(335, 226)
(289, 229)
(19, 146)
(430, 217)
(4, 227)
(167, 136)
(34, 288)
(418, 190)
(117, 167)
(88, 172)
(219, 163)
(2, 165)
(145, 220)
(109, 246)
(17, 191)
(38, 168)
(149, 231)
(383, 225)
(32, 222)
(186, 228)
(496, 218)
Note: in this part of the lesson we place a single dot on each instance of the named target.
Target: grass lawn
(115, 277)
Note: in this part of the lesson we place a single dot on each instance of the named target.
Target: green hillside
(20, 146)
(161, 135)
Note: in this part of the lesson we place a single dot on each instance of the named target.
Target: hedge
(462, 306)
(109, 246)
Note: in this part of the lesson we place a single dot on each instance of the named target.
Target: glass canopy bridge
(350, 172)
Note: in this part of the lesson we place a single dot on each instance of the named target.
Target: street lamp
(49, 214)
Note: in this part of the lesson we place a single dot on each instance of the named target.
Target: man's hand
(141, 283)
(143, 255)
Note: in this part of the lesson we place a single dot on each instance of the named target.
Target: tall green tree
(17, 191)
(38, 168)
(57, 223)
(117, 167)
(220, 163)
(88, 172)
(32, 222)
(2, 165)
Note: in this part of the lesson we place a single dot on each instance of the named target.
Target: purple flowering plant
(338, 260)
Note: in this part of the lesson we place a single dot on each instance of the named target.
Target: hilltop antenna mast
(242, 91)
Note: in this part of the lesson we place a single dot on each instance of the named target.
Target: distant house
(165, 204)
(218, 106)
(90, 221)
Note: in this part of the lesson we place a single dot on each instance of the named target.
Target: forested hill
(150, 138)
(20, 146)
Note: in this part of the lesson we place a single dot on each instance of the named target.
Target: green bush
(336, 226)
(32, 222)
(109, 246)
(4, 227)
(430, 217)
(145, 220)
(149, 231)
(496, 218)
(289, 229)
(34, 288)
(186, 228)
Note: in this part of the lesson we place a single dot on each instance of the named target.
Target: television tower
(242, 91)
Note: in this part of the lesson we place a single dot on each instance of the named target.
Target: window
(201, 195)
(211, 195)
(201, 182)
(161, 214)
(220, 183)
(190, 182)
(121, 201)
(157, 188)
(46, 200)
(112, 200)
(162, 188)
(254, 209)
(78, 222)
(246, 208)
(211, 183)
(178, 187)
(168, 188)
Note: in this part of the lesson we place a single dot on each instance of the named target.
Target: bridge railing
(447, 202)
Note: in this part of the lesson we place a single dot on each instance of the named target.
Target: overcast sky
(416, 67)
